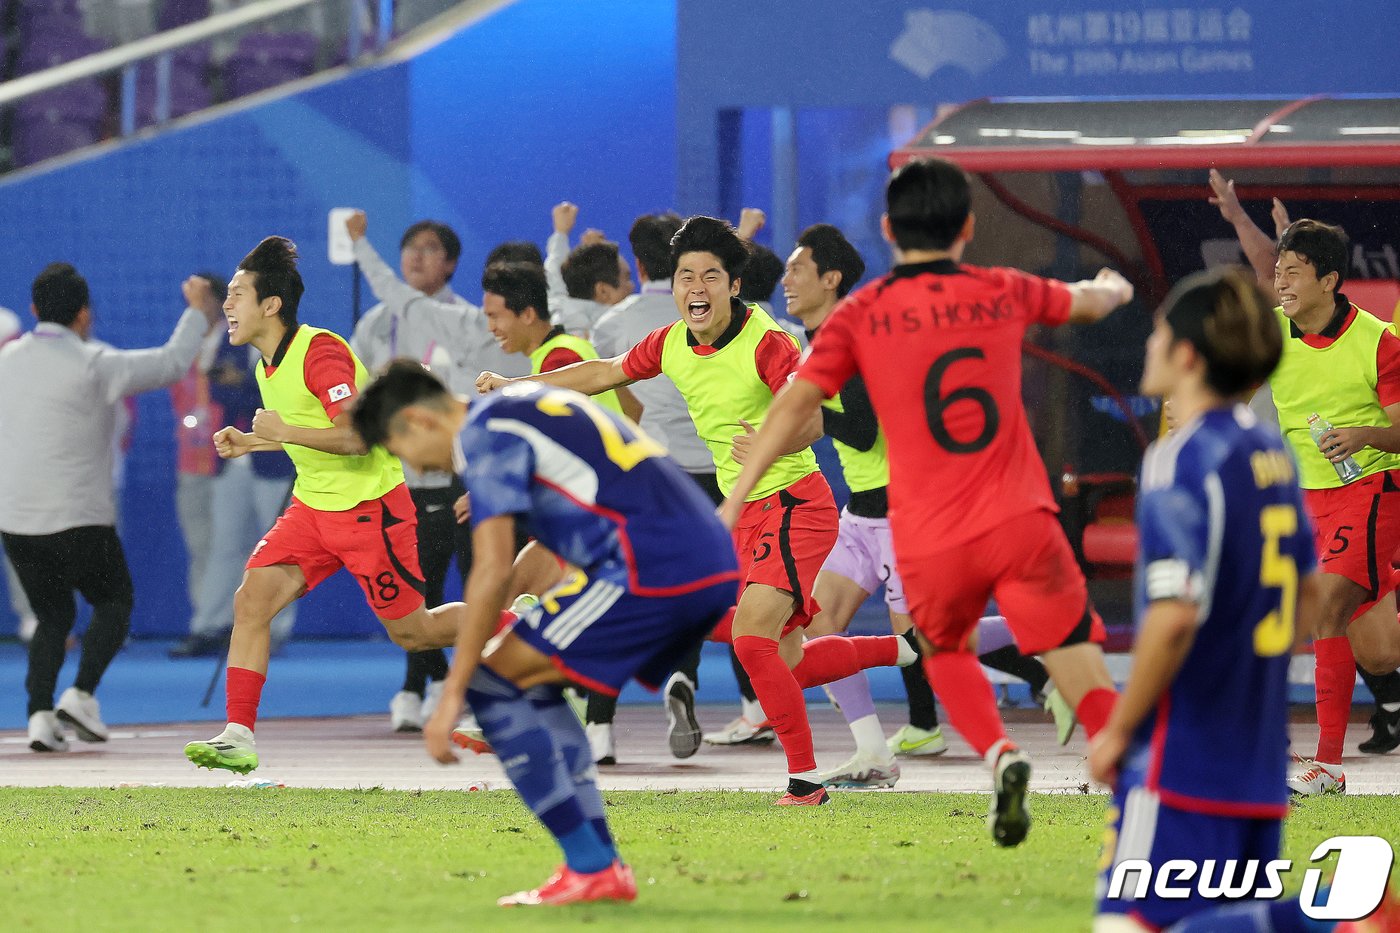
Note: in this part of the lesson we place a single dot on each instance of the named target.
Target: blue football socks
(535, 763)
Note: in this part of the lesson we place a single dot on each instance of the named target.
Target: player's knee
(252, 608)
(406, 636)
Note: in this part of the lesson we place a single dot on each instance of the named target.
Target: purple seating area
(51, 33)
(264, 60)
(176, 13)
(190, 70)
(39, 34)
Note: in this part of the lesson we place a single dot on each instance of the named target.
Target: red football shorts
(1356, 529)
(1026, 563)
(782, 541)
(377, 541)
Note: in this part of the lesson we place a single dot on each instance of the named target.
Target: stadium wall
(542, 101)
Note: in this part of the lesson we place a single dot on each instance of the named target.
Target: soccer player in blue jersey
(656, 572)
(1225, 560)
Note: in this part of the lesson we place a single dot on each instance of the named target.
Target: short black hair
(1324, 246)
(515, 251)
(701, 234)
(650, 237)
(273, 263)
(59, 293)
(403, 382)
(1227, 317)
(589, 265)
(762, 273)
(928, 202)
(451, 244)
(521, 284)
(831, 250)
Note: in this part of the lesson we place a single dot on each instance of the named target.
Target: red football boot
(566, 886)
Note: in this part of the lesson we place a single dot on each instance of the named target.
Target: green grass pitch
(155, 859)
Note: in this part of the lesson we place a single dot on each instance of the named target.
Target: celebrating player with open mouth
(350, 507)
(655, 575)
(970, 506)
(729, 360)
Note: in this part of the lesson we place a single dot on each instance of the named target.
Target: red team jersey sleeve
(559, 357)
(776, 357)
(330, 373)
(644, 360)
(831, 363)
(1047, 300)
(1388, 370)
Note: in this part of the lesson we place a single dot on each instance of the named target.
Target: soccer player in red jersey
(350, 507)
(970, 506)
(729, 360)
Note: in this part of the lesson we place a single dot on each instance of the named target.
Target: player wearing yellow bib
(350, 507)
(516, 304)
(729, 360)
(1342, 364)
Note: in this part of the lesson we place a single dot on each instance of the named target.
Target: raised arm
(131, 372)
(1258, 246)
(564, 216)
(454, 326)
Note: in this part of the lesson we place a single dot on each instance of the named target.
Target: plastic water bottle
(1348, 469)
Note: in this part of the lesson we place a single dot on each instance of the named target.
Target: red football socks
(1093, 711)
(967, 697)
(244, 693)
(831, 658)
(1336, 681)
(781, 697)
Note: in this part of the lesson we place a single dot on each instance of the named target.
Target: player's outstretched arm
(1163, 640)
(341, 438)
(1257, 245)
(787, 423)
(1094, 299)
(589, 377)
(493, 552)
(131, 372)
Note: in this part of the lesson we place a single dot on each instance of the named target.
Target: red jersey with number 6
(939, 347)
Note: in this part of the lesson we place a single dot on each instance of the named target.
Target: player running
(729, 360)
(948, 335)
(820, 272)
(655, 573)
(350, 507)
(1225, 562)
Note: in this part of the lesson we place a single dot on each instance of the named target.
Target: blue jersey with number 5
(1221, 526)
(594, 489)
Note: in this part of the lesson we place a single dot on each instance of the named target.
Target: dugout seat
(1099, 519)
